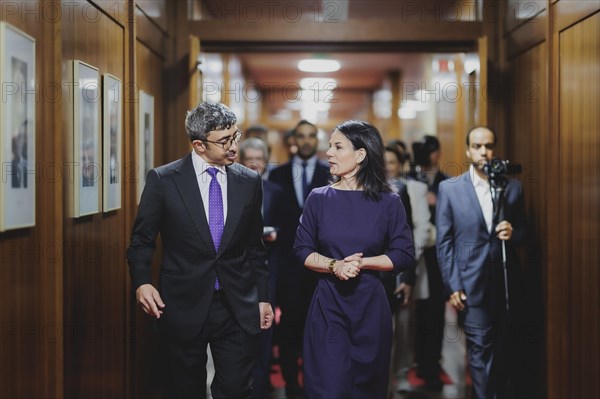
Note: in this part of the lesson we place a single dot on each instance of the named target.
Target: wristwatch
(331, 265)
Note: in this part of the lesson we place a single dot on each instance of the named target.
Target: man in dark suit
(254, 154)
(296, 283)
(470, 257)
(214, 277)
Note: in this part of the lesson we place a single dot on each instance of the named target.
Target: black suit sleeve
(145, 230)
(408, 276)
(257, 254)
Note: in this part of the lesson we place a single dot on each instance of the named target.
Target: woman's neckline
(341, 189)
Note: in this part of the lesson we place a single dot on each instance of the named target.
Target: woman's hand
(349, 267)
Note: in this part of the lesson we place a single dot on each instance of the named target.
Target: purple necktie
(215, 212)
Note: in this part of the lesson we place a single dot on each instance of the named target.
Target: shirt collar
(200, 165)
(477, 181)
(310, 161)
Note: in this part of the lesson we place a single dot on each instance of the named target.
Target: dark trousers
(234, 353)
(262, 368)
(429, 317)
(485, 330)
(294, 299)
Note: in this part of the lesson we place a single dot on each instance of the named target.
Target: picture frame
(87, 168)
(145, 139)
(112, 128)
(17, 128)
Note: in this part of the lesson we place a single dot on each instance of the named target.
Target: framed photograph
(17, 128)
(145, 139)
(87, 167)
(112, 129)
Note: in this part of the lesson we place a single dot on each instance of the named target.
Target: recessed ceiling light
(319, 65)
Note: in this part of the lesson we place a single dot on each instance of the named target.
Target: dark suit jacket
(172, 206)
(470, 258)
(388, 279)
(272, 204)
(283, 176)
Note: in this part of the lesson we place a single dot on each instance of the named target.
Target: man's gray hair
(207, 117)
(255, 144)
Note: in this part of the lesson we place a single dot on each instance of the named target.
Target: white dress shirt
(203, 178)
(484, 195)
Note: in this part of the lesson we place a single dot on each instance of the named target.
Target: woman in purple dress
(349, 232)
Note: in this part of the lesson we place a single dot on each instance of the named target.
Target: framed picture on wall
(17, 128)
(112, 139)
(145, 139)
(87, 167)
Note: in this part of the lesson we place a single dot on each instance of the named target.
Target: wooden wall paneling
(149, 33)
(94, 304)
(557, 275)
(31, 262)
(579, 142)
(482, 104)
(129, 190)
(157, 10)
(520, 12)
(528, 146)
(115, 9)
(569, 12)
(527, 35)
(351, 30)
(194, 74)
(147, 381)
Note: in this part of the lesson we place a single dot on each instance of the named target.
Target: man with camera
(474, 244)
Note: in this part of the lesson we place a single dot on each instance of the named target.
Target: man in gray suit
(214, 276)
(470, 258)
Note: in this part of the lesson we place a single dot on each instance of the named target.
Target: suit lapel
(473, 202)
(187, 184)
(234, 206)
(319, 176)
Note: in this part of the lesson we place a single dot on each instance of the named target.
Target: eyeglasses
(226, 144)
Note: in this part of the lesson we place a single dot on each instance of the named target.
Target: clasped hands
(349, 267)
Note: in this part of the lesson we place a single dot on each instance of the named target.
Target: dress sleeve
(306, 235)
(400, 249)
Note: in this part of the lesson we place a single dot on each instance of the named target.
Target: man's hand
(406, 290)
(149, 299)
(266, 315)
(457, 300)
(504, 230)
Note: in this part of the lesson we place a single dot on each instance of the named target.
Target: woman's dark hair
(371, 171)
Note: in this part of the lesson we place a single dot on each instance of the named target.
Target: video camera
(497, 171)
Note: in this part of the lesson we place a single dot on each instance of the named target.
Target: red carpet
(277, 378)
(416, 381)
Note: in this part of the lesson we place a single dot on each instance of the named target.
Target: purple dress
(348, 334)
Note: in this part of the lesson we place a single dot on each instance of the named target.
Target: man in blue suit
(470, 258)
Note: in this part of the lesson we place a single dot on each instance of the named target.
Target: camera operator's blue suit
(470, 259)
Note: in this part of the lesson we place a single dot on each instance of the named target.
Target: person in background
(295, 284)
(213, 287)
(261, 132)
(254, 154)
(396, 162)
(470, 251)
(430, 312)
